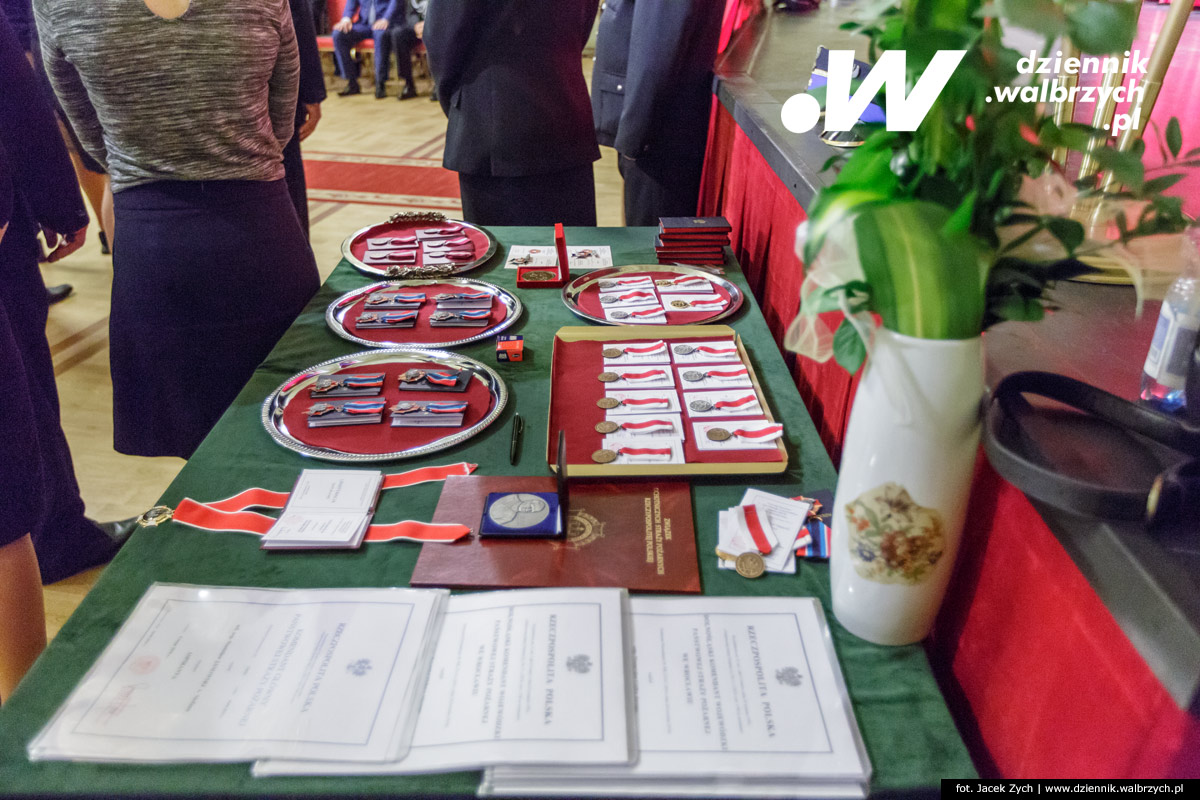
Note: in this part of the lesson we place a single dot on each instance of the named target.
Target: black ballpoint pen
(518, 427)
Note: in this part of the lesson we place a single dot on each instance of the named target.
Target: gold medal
(608, 377)
(604, 456)
(612, 352)
(539, 275)
(721, 554)
(750, 565)
(662, 282)
(607, 427)
(692, 375)
(680, 304)
(719, 434)
(608, 402)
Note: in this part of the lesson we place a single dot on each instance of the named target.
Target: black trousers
(568, 197)
(293, 173)
(38, 476)
(666, 185)
(404, 39)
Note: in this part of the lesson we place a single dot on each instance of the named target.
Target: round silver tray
(414, 219)
(273, 407)
(335, 314)
(573, 290)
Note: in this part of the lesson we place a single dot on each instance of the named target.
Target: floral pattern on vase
(892, 538)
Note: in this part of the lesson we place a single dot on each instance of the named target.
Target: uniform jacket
(652, 82)
(510, 78)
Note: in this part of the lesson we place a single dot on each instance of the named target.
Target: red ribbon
(650, 348)
(756, 530)
(646, 312)
(741, 401)
(716, 351)
(230, 514)
(635, 295)
(637, 376)
(770, 430)
(650, 423)
(644, 401)
(726, 373)
(645, 451)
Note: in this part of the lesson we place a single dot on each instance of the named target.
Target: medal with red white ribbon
(755, 529)
(644, 349)
(702, 406)
(232, 514)
(624, 298)
(642, 377)
(648, 426)
(646, 312)
(645, 401)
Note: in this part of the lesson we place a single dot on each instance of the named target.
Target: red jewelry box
(562, 273)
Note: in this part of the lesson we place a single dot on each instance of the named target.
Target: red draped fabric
(736, 13)
(1042, 680)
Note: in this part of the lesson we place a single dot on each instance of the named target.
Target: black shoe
(56, 294)
(104, 251)
(120, 530)
(433, 95)
(409, 92)
(351, 88)
(380, 91)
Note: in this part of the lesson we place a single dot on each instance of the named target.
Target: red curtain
(736, 13)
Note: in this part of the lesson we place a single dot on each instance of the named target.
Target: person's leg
(22, 613)
(661, 186)
(343, 44)
(568, 196)
(403, 41)
(293, 173)
(383, 50)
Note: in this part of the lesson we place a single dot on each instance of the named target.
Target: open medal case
(662, 395)
(286, 413)
(388, 298)
(405, 246)
(652, 295)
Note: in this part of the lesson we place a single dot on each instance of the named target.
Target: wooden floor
(366, 159)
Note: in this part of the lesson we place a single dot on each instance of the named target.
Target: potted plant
(926, 238)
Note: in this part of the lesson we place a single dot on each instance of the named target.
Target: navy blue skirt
(206, 277)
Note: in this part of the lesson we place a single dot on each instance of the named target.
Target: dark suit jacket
(510, 77)
(312, 76)
(652, 82)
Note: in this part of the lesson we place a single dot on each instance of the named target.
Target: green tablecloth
(910, 736)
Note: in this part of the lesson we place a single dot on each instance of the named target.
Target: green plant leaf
(1161, 183)
(1103, 26)
(1174, 136)
(1043, 16)
(1069, 233)
(848, 347)
(1126, 166)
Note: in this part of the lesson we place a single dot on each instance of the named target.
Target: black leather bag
(1167, 504)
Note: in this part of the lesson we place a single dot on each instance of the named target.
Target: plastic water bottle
(1174, 341)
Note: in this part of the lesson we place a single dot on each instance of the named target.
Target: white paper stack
(782, 521)
(737, 697)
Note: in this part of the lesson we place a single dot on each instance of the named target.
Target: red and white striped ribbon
(726, 374)
(649, 348)
(646, 401)
(634, 295)
(648, 375)
(741, 401)
(648, 426)
(762, 434)
(755, 528)
(231, 514)
(717, 351)
(647, 312)
(646, 453)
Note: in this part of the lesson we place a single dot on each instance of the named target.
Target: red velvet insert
(589, 300)
(422, 332)
(573, 407)
(381, 437)
(358, 246)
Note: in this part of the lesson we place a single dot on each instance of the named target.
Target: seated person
(374, 18)
(406, 33)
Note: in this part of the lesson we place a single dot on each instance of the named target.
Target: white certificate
(735, 434)
(638, 403)
(648, 426)
(535, 676)
(644, 450)
(648, 377)
(645, 315)
(719, 352)
(227, 674)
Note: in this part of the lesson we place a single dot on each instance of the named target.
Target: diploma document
(736, 695)
(534, 676)
(226, 674)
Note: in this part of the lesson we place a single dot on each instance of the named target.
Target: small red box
(534, 277)
(510, 348)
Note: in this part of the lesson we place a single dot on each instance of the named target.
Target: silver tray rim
(335, 312)
(276, 402)
(571, 292)
(455, 269)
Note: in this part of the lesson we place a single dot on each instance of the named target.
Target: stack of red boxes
(691, 240)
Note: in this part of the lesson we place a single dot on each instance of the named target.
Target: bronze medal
(700, 406)
(750, 565)
(607, 427)
(684, 349)
(608, 298)
(608, 402)
(412, 376)
(612, 352)
(539, 275)
(692, 375)
(604, 456)
(719, 435)
(680, 304)
(608, 377)
(663, 282)
(441, 316)
(619, 314)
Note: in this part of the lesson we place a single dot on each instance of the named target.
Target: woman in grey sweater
(189, 108)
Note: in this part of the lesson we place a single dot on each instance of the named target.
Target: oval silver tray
(273, 407)
(335, 314)
(572, 291)
(418, 219)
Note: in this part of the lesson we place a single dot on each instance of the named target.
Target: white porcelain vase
(905, 477)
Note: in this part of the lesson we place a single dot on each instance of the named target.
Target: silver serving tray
(335, 314)
(417, 219)
(297, 386)
(573, 290)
